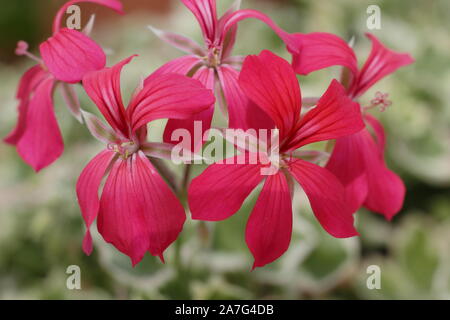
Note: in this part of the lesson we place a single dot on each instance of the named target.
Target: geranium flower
(66, 57)
(213, 64)
(358, 160)
(137, 211)
(270, 82)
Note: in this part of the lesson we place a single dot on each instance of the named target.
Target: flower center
(213, 57)
(124, 149)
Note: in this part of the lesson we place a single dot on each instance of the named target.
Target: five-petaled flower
(215, 67)
(137, 212)
(358, 160)
(270, 82)
(66, 57)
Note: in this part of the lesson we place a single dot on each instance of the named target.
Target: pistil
(22, 50)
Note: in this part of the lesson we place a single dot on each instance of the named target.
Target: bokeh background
(41, 227)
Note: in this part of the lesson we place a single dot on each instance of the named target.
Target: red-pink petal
(116, 5)
(182, 65)
(70, 54)
(230, 37)
(103, 87)
(170, 96)
(377, 188)
(231, 20)
(378, 131)
(347, 163)
(28, 83)
(386, 191)
(206, 13)
(319, 50)
(242, 112)
(380, 63)
(41, 143)
(30, 80)
(269, 228)
(207, 77)
(185, 66)
(14, 136)
(221, 189)
(229, 42)
(270, 82)
(138, 211)
(326, 196)
(335, 115)
(88, 185)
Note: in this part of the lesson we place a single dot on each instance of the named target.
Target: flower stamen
(381, 101)
(212, 59)
(22, 50)
(125, 149)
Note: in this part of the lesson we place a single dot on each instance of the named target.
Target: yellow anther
(125, 149)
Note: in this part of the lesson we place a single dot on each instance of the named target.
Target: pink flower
(358, 160)
(213, 64)
(220, 190)
(137, 211)
(66, 57)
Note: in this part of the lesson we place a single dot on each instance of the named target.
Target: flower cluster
(137, 210)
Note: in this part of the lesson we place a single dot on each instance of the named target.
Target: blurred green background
(41, 227)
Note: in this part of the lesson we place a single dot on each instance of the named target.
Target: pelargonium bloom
(66, 57)
(137, 212)
(221, 189)
(213, 64)
(358, 160)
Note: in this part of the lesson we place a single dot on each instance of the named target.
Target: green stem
(177, 259)
(186, 178)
